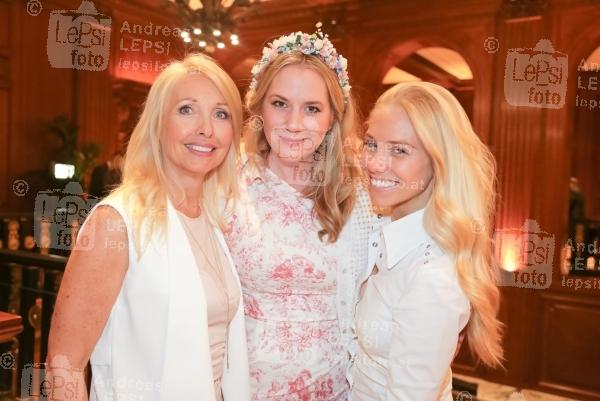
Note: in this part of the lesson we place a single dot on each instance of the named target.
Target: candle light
(508, 261)
(591, 263)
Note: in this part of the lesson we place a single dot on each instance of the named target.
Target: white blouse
(408, 318)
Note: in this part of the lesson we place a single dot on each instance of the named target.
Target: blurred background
(74, 76)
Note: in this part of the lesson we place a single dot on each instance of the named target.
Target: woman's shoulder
(104, 228)
(436, 270)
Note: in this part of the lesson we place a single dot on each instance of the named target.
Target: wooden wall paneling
(93, 107)
(5, 74)
(558, 141)
(43, 93)
(4, 126)
(95, 111)
(578, 39)
(516, 135)
(5, 14)
(568, 321)
(570, 356)
(586, 142)
(481, 62)
(378, 17)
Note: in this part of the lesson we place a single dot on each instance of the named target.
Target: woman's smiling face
(399, 169)
(198, 129)
(297, 113)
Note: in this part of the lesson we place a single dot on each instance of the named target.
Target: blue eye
(185, 109)
(370, 144)
(222, 114)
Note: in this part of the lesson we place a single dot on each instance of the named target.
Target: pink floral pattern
(289, 287)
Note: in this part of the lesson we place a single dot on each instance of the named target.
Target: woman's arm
(426, 325)
(91, 283)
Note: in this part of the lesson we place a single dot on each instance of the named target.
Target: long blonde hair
(459, 216)
(333, 202)
(144, 186)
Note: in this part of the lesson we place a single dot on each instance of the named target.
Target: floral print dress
(289, 284)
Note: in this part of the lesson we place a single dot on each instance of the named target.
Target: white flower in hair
(316, 44)
(343, 62)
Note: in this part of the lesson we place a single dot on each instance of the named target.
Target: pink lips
(292, 141)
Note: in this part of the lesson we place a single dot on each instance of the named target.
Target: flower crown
(316, 44)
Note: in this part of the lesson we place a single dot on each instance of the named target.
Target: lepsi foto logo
(526, 255)
(79, 38)
(536, 77)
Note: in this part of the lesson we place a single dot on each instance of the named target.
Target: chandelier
(211, 24)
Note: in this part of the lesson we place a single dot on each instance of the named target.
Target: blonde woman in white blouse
(430, 274)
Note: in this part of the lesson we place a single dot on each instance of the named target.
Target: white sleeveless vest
(155, 344)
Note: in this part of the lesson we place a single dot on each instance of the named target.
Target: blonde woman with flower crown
(154, 302)
(430, 274)
(299, 233)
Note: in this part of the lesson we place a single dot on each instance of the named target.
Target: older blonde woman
(430, 274)
(154, 301)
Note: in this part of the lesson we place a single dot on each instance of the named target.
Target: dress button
(379, 216)
(426, 253)
(343, 303)
(426, 262)
(375, 244)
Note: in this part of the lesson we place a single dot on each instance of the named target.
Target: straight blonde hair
(333, 202)
(460, 213)
(144, 185)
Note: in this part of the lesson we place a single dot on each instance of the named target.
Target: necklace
(218, 273)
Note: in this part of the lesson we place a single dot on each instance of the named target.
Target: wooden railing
(29, 283)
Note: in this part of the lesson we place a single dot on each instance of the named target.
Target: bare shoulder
(104, 229)
(98, 263)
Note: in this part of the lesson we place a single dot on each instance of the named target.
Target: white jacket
(155, 344)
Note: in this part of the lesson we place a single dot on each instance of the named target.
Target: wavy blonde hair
(144, 185)
(463, 198)
(333, 203)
